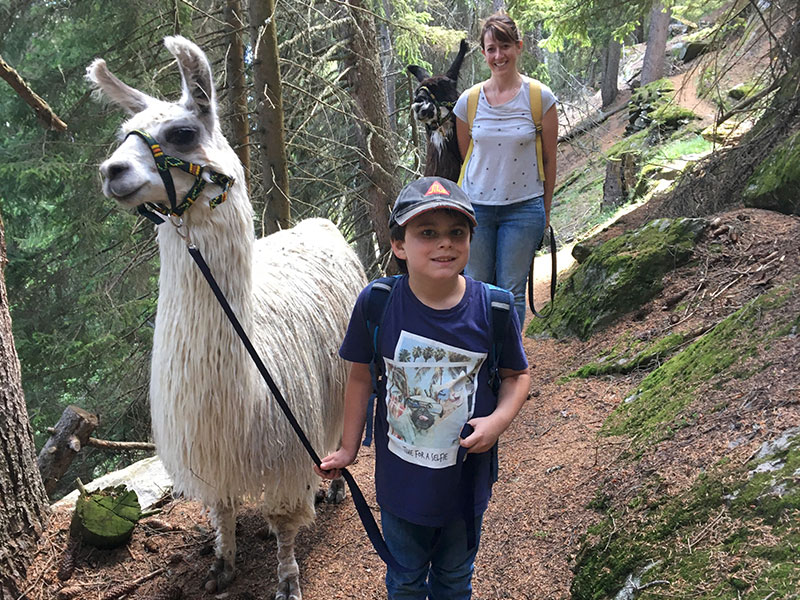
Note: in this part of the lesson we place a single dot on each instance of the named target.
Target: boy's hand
(332, 465)
(485, 432)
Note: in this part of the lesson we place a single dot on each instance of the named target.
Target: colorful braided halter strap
(164, 163)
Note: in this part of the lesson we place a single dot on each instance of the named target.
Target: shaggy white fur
(217, 428)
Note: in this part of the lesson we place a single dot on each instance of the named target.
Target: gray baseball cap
(430, 193)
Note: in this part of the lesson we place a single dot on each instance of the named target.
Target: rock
(775, 182)
(618, 277)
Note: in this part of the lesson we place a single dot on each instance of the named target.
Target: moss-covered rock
(775, 183)
(618, 277)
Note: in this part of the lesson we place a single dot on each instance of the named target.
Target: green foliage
(81, 273)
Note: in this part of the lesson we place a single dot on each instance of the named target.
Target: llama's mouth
(122, 194)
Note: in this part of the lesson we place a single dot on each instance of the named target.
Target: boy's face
(436, 245)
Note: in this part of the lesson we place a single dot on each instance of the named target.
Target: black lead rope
(553, 278)
(364, 512)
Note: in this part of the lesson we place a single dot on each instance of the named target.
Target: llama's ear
(418, 72)
(452, 72)
(104, 81)
(197, 81)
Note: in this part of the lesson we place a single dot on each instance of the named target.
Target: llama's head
(436, 95)
(172, 137)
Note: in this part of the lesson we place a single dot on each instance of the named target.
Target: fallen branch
(126, 588)
(112, 444)
(748, 101)
(590, 123)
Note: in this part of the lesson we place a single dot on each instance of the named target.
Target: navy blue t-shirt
(436, 380)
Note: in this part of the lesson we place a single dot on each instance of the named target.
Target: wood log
(71, 433)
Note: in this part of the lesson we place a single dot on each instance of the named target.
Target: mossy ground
(650, 413)
(733, 530)
(734, 534)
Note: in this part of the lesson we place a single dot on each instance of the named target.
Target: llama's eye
(182, 136)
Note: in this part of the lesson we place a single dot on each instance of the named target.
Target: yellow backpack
(536, 114)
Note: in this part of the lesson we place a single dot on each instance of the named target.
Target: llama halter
(164, 163)
(440, 120)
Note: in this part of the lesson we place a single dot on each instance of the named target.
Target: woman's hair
(502, 27)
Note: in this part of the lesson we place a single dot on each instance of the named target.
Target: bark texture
(610, 88)
(378, 159)
(22, 497)
(269, 131)
(237, 84)
(655, 52)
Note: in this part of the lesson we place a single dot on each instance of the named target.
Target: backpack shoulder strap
(536, 115)
(377, 300)
(500, 302)
(473, 96)
(472, 104)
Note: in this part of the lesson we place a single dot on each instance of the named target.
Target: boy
(433, 483)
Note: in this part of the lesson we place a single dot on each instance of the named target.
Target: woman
(501, 178)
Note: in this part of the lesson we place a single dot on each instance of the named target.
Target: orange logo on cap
(437, 188)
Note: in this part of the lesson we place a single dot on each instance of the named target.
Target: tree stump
(620, 181)
(70, 435)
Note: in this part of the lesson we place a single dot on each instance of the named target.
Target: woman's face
(500, 56)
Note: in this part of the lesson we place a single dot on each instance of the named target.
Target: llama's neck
(224, 237)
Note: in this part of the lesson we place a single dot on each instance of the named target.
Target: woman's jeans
(503, 246)
(440, 562)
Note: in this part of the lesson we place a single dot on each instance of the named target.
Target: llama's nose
(111, 171)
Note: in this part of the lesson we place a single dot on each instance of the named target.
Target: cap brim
(415, 212)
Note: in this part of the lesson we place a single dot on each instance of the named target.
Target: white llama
(218, 430)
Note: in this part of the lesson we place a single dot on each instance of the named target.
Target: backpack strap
(378, 294)
(472, 110)
(500, 302)
(536, 115)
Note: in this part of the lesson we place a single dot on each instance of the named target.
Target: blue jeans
(503, 246)
(440, 562)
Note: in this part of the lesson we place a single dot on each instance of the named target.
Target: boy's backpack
(536, 115)
(500, 302)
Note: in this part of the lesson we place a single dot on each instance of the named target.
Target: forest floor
(552, 461)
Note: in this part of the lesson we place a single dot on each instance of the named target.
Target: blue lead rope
(364, 512)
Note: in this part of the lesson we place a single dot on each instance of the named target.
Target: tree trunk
(656, 50)
(377, 158)
(389, 77)
(269, 109)
(609, 88)
(21, 491)
(237, 84)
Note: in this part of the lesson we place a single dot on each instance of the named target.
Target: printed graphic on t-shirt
(430, 395)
